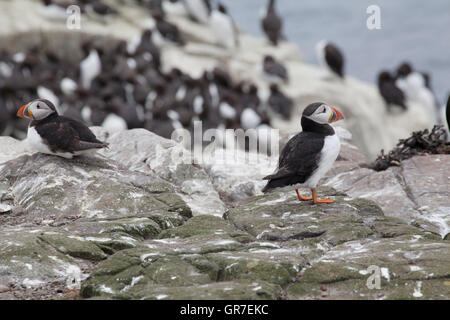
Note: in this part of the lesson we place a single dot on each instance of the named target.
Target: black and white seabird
(280, 103)
(389, 90)
(90, 66)
(50, 133)
(330, 57)
(416, 87)
(224, 27)
(168, 30)
(274, 70)
(272, 23)
(198, 10)
(309, 155)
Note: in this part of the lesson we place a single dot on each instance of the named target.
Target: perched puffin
(310, 154)
(272, 24)
(389, 90)
(198, 10)
(274, 70)
(224, 27)
(51, 133)
(330, 57)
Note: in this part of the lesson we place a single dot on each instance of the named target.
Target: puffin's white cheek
(323, 118)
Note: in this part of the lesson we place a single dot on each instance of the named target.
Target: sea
(416, 31)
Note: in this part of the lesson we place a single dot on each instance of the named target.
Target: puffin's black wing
(334, 59)
(67, 135)
(298, 160)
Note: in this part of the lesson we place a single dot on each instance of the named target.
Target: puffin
(309, 155)
(224, 27)
(330, 57)
(272, 24)
(274, 70)
(50, 133)
(391, 94)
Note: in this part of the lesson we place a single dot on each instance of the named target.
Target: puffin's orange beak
(336, 116)
(24, 112)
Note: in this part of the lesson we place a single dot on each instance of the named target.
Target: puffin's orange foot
(317, 200)
(302, 198)
(323, 200)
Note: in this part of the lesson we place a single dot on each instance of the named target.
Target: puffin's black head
(322, 113)
(404, 69)
(37, 110)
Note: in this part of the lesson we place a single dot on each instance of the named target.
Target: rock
(12, 148)
(77, 211)
(144, 151)
(416, 191)
(264, 242)
(409, 267)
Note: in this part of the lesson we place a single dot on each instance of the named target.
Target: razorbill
(50, 133)
(272, 23)
(309, 155)
(330, 57)
(224, 27)
(388, 89)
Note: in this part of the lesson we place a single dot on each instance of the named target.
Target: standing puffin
(310, 154)
(51, 133)
(330, 57)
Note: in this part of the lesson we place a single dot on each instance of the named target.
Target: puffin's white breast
(328, 155)
(35, 141)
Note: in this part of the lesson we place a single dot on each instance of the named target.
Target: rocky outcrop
(121, 224)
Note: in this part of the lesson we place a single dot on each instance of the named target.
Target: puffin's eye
(324, 110)
(38, 106)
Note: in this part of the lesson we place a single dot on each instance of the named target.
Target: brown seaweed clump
(419, 143)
